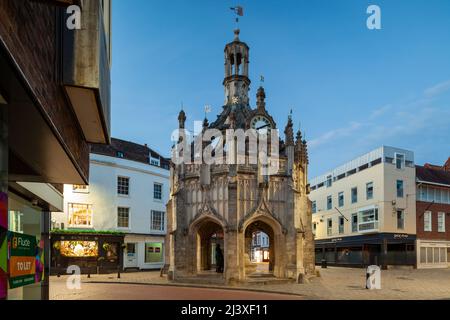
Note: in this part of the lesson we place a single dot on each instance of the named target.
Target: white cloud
(380, 111)
(335, 134)
(438, 89)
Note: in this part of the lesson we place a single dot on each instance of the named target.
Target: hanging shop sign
(22, 259)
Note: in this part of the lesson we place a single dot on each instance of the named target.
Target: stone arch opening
(210, 235)
(267, 263)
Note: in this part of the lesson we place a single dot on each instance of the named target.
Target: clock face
(261, 124)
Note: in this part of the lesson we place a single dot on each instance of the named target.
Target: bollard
(324, 264)
(118, 272)
(373, 278)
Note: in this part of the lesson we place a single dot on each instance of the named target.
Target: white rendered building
(364, 212)
(127, 192)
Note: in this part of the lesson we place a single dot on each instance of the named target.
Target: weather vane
(239, 11)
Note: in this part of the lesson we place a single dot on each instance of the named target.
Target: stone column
(231, 267)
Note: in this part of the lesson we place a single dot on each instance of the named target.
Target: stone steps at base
(201, 280)
(261, 275)
(268, 281)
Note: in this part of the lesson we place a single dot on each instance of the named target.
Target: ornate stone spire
(205, 124)
(298, 141)
(289, 132)
(261, 99)
(305, 156)
(182, 119)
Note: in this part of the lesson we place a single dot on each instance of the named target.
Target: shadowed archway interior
(209, 235)
(259, 226)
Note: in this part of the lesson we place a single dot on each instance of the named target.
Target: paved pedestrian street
(333, 283)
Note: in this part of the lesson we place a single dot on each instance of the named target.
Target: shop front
(433, 254)
(24, 241)
(384, 249)
(143, 252)
(92, 253)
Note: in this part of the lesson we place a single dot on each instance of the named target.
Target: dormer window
(155, 161)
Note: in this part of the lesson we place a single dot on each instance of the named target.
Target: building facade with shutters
(364, 211)
(433, 216)
(127, 192)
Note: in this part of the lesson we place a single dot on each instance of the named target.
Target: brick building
(433, 216)
(54, 101)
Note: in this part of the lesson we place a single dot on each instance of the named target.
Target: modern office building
(364, 211)
(126, 196)
(433, 216)
(54, 101)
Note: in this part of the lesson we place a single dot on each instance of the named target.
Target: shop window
(443, 255)
(153, 252)
(429, 255)
(423, 255)
(80, 215)
(78, 249)
(111, 250)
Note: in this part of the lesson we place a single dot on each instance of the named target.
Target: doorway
(131, 259)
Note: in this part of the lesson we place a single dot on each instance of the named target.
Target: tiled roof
(130, 151)
(433, 175)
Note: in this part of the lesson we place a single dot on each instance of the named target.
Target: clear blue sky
(351, 89)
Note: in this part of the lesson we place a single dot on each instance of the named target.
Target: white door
(130, 259)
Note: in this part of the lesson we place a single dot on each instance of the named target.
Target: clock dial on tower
(261, 124)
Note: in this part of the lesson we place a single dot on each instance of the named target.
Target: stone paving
(333, 283)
